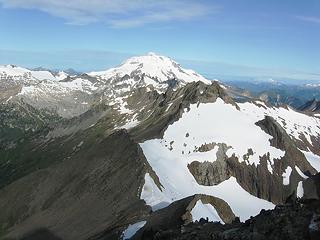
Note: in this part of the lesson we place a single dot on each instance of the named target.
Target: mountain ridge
(142, 149)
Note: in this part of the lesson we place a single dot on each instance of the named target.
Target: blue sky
(276, 36)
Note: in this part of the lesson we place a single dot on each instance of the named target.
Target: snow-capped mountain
(19, 74)
(122, 149)
(44, 89)
(73, 95)
(150, 69)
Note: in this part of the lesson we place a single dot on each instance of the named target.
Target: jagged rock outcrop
(211, 173)
(222, 208)
(179, 213)
(292, 221)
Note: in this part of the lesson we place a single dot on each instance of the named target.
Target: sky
(267, 37)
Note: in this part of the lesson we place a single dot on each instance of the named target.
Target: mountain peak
(152, 54)
(151, 69)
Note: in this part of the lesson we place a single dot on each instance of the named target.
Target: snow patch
(301, 173)
(313, 159)
(130, 124)
(153, 195)
(286, 176)
(300, 191)
(201, 210)
(132, 230)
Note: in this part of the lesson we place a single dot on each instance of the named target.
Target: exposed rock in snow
(178, 182)
(296, 124)
(217, 123)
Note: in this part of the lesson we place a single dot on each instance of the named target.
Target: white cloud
(116, 13)
(309, 19)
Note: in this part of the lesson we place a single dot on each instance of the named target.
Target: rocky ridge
(70, 165)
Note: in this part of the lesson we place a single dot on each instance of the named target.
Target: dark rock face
(310, 106)
(40, 234)
(96, 189)
(311, 187)
(290, 222)
(282, 141)
(211, 173)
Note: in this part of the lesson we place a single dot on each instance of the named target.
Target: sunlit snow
(300, 190)
(201, 210)
(300, 172)
(286, 176)
(132, 230)
(313, 159)
(157, 69)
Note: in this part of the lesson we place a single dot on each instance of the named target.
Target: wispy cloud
(311, 19)
(116, 13)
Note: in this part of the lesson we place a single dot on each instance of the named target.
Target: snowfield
(296, 124)
(218, 122)
(45, 88)
(215, 123)
(178, 183)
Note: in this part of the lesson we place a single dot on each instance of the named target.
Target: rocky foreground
(295, 220)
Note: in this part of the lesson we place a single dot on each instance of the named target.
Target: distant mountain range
(146, 147)
(311, 106)
(277, 93)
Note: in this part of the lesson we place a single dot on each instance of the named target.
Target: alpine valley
(150, 150)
